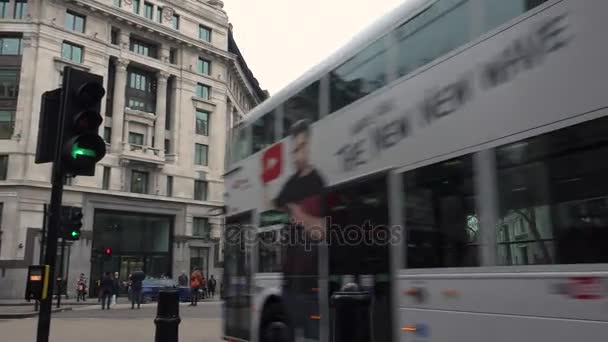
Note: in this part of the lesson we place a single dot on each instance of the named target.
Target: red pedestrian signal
(108, 251)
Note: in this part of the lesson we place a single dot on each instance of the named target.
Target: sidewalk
(22, 311)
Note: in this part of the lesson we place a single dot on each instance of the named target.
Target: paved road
(91, 324)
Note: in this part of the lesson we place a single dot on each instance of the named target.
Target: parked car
(151, 288)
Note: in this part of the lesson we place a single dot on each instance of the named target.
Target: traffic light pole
(61, 270)
(42, 241)
(50, 257)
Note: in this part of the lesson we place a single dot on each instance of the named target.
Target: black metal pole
(42, 240)
(60, 281)
(167, 317)
(50, 257)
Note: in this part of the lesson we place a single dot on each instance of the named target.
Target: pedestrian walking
(196, 280)
(107, 289)
(211, 285)
(81, 288)
(182, 280)
(116, 288)
(137, 279)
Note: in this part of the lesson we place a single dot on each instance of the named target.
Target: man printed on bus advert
(301, 193)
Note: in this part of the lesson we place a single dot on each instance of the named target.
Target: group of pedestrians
(110, 286)
(199, 286)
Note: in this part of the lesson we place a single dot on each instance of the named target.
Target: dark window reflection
(263, 132)
(442, 226)
(304, 105)
(359, 76)
(554, 197)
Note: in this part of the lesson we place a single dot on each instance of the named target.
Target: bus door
(358, 239)
(237, 276)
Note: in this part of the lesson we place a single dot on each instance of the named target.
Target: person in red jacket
(196, 281)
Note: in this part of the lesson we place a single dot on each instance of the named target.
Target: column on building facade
(118, 107)
(125, 136)
(149, 132)
(161, 112)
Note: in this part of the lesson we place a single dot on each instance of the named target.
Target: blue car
(151, 288)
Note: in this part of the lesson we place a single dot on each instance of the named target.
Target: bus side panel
(504, 307)
(568, 296)
(449, 326)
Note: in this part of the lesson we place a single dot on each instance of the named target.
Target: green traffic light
(79, 151)
(74, 233)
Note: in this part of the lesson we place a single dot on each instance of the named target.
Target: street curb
(29, 314)
(32, 304)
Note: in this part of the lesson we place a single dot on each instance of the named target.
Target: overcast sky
(282, 39)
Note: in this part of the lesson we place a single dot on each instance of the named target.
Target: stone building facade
(175, 84)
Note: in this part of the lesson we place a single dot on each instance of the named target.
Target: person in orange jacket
(196, 281)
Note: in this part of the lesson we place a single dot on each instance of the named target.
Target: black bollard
(352, 319)
(167, 317)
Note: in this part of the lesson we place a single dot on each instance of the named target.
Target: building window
(136, 6)
(143, 48)
(200, 154)
(139, 182)
(71, 52)
(169, 186)
(107, 134)
(202, 122)
(175, 22)
(105, 184)
(4, 8)
(203, 66)
(7, 123)
(9, 84)
(200, 190)
(201, 227)
(20, 9)
(159, 14)
(148, 10)
(141, 92)
(115, 36)
(136, 139)
(204, 33)
(11, 46)
(199, 258)
(167, 146)
(173, 56)
(74, 21)
(118, 3)
(203, 91)
(3, 167)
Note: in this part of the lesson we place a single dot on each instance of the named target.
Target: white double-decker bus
(452, 160)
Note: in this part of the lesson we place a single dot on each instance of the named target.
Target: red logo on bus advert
(585, 288)
(272, 161)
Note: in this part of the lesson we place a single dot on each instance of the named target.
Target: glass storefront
(136, 240)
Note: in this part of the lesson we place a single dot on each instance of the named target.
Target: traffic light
(107, 253)
(48, 126)
(82, 147)
(71, 223)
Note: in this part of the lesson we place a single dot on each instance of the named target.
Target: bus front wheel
(274, 326)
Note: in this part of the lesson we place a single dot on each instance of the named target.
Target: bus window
(498, 12)
(262, 132)
(240, 143)
(442, 225)
(553, 197)
(359, 76)
(441, 28)
(304, 105)
(269, 251)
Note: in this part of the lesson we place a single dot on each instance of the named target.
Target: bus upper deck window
(304, 105)
(359, 76)
(240, 143)
(498, 12)
(438, 30)
(263, 132)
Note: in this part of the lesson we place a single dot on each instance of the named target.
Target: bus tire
(274, 326)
